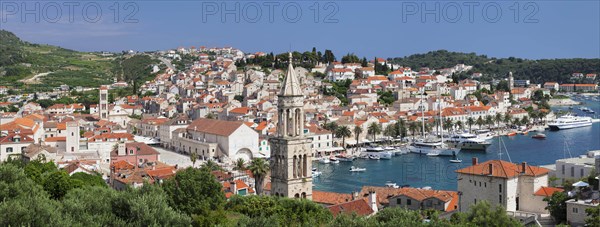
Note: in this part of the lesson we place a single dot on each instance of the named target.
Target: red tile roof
(503, 169)
(217, 127)
(360, 207)
(330, 198)
(547, 191)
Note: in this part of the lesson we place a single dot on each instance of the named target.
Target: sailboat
(433, 148)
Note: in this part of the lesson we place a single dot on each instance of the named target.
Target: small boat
(345, 158)
(333, 160)
(432, 154)
(316, 173)
(374, 157)
(390, 184)
(539, 136)
(324, 160)
(511, 134)
(455, 160)
(356, 169)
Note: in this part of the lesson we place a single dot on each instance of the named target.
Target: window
(575, 210)
(580, 172)
(500, 188)
(499, 198)
(475, 183)
(130, 151)
(475, 201)
(485, 184)
(399, 201)
(9, 150)
(479, 183)
(563, 169)
(408, 202)
(572, 171)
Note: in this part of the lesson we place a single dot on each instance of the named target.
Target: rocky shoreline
(563, 102)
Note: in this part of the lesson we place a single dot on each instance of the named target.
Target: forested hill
(536, 70)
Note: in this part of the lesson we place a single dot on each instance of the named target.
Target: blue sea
(437, 172)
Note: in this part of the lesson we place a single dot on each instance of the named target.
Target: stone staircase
(546, 221)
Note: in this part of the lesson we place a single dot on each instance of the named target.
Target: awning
(331, 149)
(580, 184)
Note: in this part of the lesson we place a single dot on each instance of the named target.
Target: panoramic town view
(341, 113)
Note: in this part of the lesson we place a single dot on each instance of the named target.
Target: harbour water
(437, 172)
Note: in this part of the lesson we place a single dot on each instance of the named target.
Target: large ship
(467, 141)
(570, 121)
(432, 148)
(376, 152)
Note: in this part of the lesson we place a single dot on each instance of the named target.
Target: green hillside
(536, 70)
(20, 61)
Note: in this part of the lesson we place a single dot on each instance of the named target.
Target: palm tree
(374, 129)
(489, 120)
(459, 124)
(357, 131)
(498, 119)
(240, 164)
(480, 121)
(448, 124)
(470, 122)
(211, 165)
(507, 118)
(525, 120)
(401, 124)
(343, 131)
(193, 158)
(390, 130)
(533, 115)
(259, 168)
(332, 127)
(413, 128)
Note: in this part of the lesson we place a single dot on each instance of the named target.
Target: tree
(507, 118)
(459, 124)
(343, 131)
(332, 127)
(390, 130)
(448, 124)
(480, 122)
(413, 127)
(374, 129)
(194, 191)
(593, 218)
(482, 214)
(211, 116)
(357, 131)
(259, 168)
(193, 158)
(470, 122)
(211, 165)
(57, 184)
(498, 118)
(489, 120)
(557, 206)
(525, 120)
(240, 164)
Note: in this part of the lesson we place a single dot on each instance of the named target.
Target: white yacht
(379, 152)
(434, 148)
(570, 121)
(356, 169)
(484, 134)
(467, 141)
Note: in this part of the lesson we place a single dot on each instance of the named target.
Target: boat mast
(441, 120)
(423, 112)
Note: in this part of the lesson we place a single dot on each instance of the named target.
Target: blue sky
(555, 29)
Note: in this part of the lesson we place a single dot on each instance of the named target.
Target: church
(291, 157)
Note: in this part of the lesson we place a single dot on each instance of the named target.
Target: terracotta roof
(360, 207)
(330, 198)
(547, 191)
(503, 169)
(217, 127)
(56, 139)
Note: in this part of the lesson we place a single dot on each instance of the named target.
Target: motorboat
(455, 160)
(345, 158)
(467, 141)
(324, 160)
(333, 159)
(484, 134)
(511, 134)
(539, 136)
(431, 154)
(316, 173)
(569, 121)
(378, 151)
(374, 157)
(390, 184)
(356, 169)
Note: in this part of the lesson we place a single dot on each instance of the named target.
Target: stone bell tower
(291, 156)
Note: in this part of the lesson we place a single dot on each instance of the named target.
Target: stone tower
(103, 105)
(72, 140)
(291, 156)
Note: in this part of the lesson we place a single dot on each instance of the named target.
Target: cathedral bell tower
(291, 155)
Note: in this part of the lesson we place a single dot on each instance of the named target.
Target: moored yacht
(570, 121)
(379, 152)
(467, 141)
(484, 134)
(432, 148)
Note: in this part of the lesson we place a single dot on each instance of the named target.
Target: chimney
(233, 187)
(474, 160)
(121, 149)
(354, 196)
(523, 167)
(491, 166)
(373, 201)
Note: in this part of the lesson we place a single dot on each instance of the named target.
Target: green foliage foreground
(39, 194)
